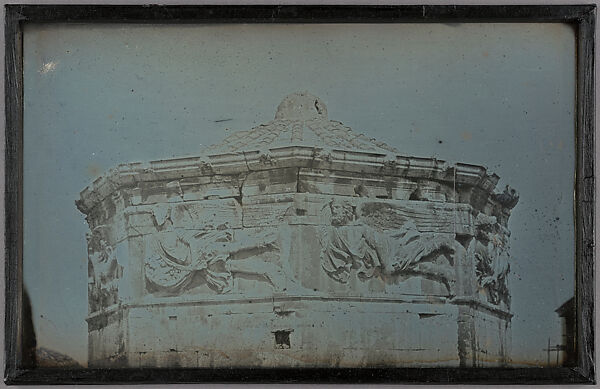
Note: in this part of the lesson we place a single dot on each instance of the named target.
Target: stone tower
(298, 243)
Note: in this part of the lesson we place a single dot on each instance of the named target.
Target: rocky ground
(50, 358)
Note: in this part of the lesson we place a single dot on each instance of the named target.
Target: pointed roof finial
(301, 106)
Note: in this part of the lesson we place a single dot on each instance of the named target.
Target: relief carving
(352, 246)
(491, 247)
(104, 270)
(505, 202)
(181, 259)
(508, 199)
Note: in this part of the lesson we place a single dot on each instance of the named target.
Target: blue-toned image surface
(331, 195)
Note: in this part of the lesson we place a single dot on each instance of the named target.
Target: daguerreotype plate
(299, 193)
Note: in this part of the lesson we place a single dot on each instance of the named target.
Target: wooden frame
(581, 16)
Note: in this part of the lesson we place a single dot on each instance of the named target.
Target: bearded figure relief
(353, 247)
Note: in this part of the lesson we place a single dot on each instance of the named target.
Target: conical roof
(301, 120)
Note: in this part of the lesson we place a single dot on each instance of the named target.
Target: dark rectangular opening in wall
(282, 338)
(428, 315)
(300, 212)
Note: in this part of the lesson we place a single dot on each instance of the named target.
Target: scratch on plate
(48, 67)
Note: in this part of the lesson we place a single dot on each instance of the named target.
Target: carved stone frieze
(104, 270)
(492, 254)
(180, 259)
(391, 251)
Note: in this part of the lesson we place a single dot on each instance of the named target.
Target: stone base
(285, 331)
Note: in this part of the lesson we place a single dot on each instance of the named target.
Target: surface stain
(93, 170)
(466, 135)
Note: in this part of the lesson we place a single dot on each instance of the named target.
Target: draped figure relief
(180, 259)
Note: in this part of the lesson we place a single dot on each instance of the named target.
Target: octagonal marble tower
(298, 243)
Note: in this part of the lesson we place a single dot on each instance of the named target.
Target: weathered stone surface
(108, 338)
(282, 335)
(298, 243)
(355, 184)
(284, 180)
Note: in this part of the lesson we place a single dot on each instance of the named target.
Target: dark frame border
(582, 17)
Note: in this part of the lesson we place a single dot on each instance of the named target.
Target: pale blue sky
(499, 95)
